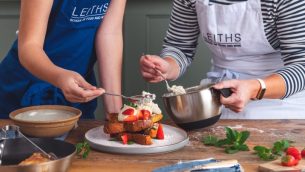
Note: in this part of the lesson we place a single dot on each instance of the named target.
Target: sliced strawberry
(128, 112)
(289, 160)
(140, 115)
(160, 133)
(130, 118)
(124, 138)
(146, 114)
(303, 153)
(293, 151)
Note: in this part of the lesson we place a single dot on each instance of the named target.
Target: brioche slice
(113, 118)
(156, 118)
(138, 138)
(119, 127)
(141, 139)
(138, 125)
(113, 126)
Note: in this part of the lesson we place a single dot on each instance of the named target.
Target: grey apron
(240, 50)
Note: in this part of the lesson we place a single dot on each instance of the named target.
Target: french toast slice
(113, 126)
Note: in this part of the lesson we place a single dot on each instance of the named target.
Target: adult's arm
(109, 49)
(287, 20)
(290, 26)
(182, 35)
(34, 16)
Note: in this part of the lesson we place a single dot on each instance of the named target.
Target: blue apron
(69, 43)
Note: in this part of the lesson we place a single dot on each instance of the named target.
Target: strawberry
(146, 114)
(140, 115)
(130, 118)
(124, 138)
(160, 133)
(128, 111)
(303, 153)
(293, 151)
(289, 160)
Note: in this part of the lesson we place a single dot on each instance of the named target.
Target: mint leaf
(231, 150)
(231, 135)
(82, 149)
(273, 153)
(279, 147)
(222, 142)
(244, 136)
(130, 142)
(243, 147)
(210, 140)
(114, 139)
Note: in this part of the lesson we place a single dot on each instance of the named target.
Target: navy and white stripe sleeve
(182, 35)
(290, 27)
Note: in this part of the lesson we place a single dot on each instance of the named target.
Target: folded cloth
(204, 165)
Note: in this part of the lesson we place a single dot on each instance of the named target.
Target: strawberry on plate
(160, 132)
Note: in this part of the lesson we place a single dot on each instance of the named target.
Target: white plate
(174, 139)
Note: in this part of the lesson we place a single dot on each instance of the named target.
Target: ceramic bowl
(46, 120)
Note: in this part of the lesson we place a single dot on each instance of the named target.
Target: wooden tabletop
(263, 132)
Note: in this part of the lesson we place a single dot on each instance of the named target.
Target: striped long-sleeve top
(284, 25)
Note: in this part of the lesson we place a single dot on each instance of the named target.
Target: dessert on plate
(138, 122)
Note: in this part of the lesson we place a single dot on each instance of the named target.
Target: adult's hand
(242, 92)
(148, 66)
(76, 88)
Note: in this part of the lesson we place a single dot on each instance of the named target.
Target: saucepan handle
(226, 92)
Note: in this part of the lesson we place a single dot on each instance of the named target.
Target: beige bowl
(46, 120)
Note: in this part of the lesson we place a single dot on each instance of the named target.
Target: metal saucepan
(198, 108)
(16, 150)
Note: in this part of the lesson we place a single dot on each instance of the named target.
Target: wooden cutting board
(275, 166)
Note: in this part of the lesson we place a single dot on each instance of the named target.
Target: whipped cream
(144, 104)
(177, 90)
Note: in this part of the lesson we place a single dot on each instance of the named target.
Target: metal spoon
(15, 128)
(136, 97)
(166, 82)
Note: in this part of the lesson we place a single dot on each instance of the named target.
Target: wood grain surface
(275, 166)
(263, 132)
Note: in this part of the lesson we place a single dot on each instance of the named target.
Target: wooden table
(263, 132)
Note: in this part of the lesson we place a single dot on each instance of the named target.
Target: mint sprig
(234, 141)
(269, 154)
(82, 149)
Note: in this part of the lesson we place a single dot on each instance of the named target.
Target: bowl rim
(77, 112)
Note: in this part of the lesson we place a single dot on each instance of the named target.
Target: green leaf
(279, 147)
(131, 104)
(231, 150)
(222, 142)
(231, 135)
(243, 147)
(233, 142)
(114, 139)
(262, 152)
(244, 136)
(210, 140)
(83, 149)
(130, 142)
(260, 149)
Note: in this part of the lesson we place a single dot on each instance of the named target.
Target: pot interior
(17, 150)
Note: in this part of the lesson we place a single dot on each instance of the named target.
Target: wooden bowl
(45, 120)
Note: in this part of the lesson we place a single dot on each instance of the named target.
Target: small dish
(45, 120)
